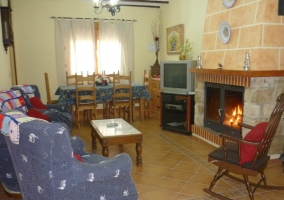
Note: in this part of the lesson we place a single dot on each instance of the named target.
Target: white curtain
(75, 47)
(116, 46)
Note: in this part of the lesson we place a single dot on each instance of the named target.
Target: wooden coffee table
(124, 133)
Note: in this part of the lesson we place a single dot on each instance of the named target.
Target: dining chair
(70, 79)
(90, 82)
(147, 102)
(111, 76)
(85, 98)
(49, 101)
(122, 96)
(106, 105)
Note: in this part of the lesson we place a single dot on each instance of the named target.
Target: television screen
(175, 78)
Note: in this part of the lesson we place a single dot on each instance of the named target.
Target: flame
(236, 115)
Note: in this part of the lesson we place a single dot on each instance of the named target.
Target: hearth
(223, 108)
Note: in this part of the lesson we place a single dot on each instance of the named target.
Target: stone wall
(255, 28)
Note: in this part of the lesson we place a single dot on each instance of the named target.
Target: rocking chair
(247, 156)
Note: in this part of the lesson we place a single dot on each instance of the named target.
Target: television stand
(177, 112)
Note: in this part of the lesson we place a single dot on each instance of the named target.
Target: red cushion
(77, 157)
(32, 112)
(36, 102)
(255, 135)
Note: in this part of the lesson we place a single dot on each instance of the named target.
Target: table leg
(142, 107)
(139, 154)
(94, 143)
(105, 151)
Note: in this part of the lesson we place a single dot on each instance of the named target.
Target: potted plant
(185, 50)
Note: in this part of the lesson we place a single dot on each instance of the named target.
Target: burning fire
(236, 116)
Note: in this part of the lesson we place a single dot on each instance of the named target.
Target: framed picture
(174, 39)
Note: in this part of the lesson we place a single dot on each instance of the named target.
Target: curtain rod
(53, 17)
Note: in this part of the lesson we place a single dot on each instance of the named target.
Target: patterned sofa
(46, 167)
(59, 112)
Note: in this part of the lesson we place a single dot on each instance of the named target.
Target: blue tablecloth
(104, 93)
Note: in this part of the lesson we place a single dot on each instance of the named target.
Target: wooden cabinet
(155, 97)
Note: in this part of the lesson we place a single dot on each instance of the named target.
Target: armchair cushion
(255, 135)
(36, 102)
(32, 112)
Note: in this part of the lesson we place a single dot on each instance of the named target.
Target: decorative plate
(228, 3)
(224, 32)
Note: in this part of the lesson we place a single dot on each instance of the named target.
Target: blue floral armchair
(45, 166)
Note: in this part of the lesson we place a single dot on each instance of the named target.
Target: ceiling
(134, 3)
(144, 3)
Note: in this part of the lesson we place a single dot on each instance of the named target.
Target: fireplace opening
(223, 108)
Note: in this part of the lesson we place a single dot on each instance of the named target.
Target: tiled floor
(175, 166)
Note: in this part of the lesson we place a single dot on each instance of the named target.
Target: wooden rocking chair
(247, 156)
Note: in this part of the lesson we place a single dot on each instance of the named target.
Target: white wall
(190, 13)
(6, 79)
(34, 34)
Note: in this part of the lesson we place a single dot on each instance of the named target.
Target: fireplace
(261, 89)
(223, 108)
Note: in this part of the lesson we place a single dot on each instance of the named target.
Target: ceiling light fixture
(111, 5)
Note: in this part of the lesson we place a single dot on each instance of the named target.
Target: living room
(166, 156)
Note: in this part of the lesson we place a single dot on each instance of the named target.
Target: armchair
(55, 112)
(45, 166)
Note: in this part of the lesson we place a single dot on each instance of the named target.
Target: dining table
(104, 93)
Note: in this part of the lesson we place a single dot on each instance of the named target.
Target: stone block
(252, 110)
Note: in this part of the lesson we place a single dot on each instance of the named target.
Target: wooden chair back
(113, 77)
(48, 96)
(122, 96)
(122, 90)
(85, 96)
(270, 131)
(70, 79)
(146, 78)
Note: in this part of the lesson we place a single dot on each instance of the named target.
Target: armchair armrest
(78, 145)
(62, 107)
(245, 125)
(238, 140)
(110, 179)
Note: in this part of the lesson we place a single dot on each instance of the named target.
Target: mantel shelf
(249, 73)
(232, 77)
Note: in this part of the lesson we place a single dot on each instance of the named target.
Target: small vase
(155, 69)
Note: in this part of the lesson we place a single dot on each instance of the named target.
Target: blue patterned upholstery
(56, 112)
(46, 168)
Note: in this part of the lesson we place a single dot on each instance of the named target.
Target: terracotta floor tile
(159, 194)
(146, 179)
(180, 175)
(188, 166)
(170, 184)
(156, 171)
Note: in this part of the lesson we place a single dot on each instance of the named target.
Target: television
(176, 78)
